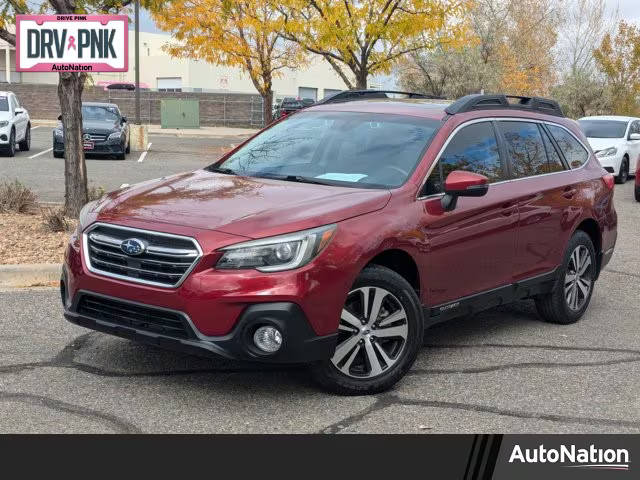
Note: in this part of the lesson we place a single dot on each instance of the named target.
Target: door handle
(508, 208)
(569, 192)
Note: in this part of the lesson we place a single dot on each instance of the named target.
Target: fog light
(268, 339)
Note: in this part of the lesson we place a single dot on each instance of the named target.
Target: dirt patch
(24, 239)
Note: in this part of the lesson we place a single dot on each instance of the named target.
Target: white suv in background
(615, 141)
(15, 125)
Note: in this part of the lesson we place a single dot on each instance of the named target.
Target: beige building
(160, 71)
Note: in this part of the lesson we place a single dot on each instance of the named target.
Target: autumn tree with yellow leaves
(365, 37)
(619, 59)
(244, 34)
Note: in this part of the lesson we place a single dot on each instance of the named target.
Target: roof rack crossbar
(506, 102)
(354, 95)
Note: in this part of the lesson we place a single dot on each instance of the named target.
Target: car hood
(602, 143)
(250, 207)
(5, 115)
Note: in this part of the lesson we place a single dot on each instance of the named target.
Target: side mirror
(463, 184)
(634, 136)
(124, 119)
(18, 111)
(60, 117)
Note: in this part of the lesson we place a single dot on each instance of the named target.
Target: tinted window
(347, 148)
(553, 157)
(473, 149)
(603, 128)
(572, 149)
(525, 148)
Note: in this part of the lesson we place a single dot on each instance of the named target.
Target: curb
(29, 275)
(196, 135)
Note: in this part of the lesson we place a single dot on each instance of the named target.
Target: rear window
(603, 128)
(344, 148)
(572, 149)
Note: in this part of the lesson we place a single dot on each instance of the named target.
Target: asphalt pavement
(503, 370)
(166, 155)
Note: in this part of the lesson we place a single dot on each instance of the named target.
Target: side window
(572, 149)
(553, 157)
(473, 149)
(635, 127)
(526, 149)
(16, 101)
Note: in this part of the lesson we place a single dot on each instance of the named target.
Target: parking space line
(144, 154)
(37, 126)
(41, 153)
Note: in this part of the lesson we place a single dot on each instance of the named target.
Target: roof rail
(354, 95)
(504, 102)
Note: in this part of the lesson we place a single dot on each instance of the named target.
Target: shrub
(94, 193)
(17, 198)
(55, 221)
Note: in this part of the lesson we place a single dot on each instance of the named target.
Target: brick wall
(216, 109)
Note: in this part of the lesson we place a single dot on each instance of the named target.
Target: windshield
(343, 148)
(603, 128)
(100, 114)
(4, 104)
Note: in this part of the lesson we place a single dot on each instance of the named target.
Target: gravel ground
(25, 239)
(500, 371)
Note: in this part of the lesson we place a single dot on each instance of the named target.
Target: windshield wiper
(226, 171)
(301, 179)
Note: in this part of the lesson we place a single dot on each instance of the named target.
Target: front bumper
(611, 163)
(113, 147)
(5, 132)
(300, 343)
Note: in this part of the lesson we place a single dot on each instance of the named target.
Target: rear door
(471, 249)
(542, 184)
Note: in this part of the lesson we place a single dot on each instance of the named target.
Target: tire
(128, 150)
(361, 348)
(637, 192)
(10, 149)
(25, 144)
(58, 154)
(623, 174)
(121, 156)
(566, 308)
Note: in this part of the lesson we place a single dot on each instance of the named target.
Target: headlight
(275, 254)
(58, 133)
(4, 123)
(115, 136)
(607, 152)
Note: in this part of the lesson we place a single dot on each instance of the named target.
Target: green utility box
(179, 113)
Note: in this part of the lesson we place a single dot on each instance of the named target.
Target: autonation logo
(573, 457)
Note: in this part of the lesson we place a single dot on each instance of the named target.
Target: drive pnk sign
(72, 43)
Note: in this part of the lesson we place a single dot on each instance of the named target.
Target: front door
(471, 248)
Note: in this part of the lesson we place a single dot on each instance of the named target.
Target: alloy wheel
(372, 333)
(578, 278)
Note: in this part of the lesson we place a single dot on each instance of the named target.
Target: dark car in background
(105, 131)
(290, 105)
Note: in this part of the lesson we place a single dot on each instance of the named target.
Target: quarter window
(572, 149)
(473, 149)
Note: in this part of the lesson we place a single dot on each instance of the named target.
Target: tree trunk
(267, 107)
(70, 86)
(361, 79)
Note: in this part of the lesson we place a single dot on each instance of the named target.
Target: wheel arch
(401, 262)
(591, 228)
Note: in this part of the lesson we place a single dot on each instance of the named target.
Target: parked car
(288, 106)
(336, 237)
(637, 189)
(15, 125)
(616, 141)
(105, 131)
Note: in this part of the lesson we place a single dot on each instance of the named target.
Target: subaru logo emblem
(133, 246)
(86, 136)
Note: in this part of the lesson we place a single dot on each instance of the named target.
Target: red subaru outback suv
(336, 236)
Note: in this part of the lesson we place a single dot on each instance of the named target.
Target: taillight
(609, 181)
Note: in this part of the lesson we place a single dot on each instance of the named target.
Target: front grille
(96, 137)
(166, 261)
(140, 317)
